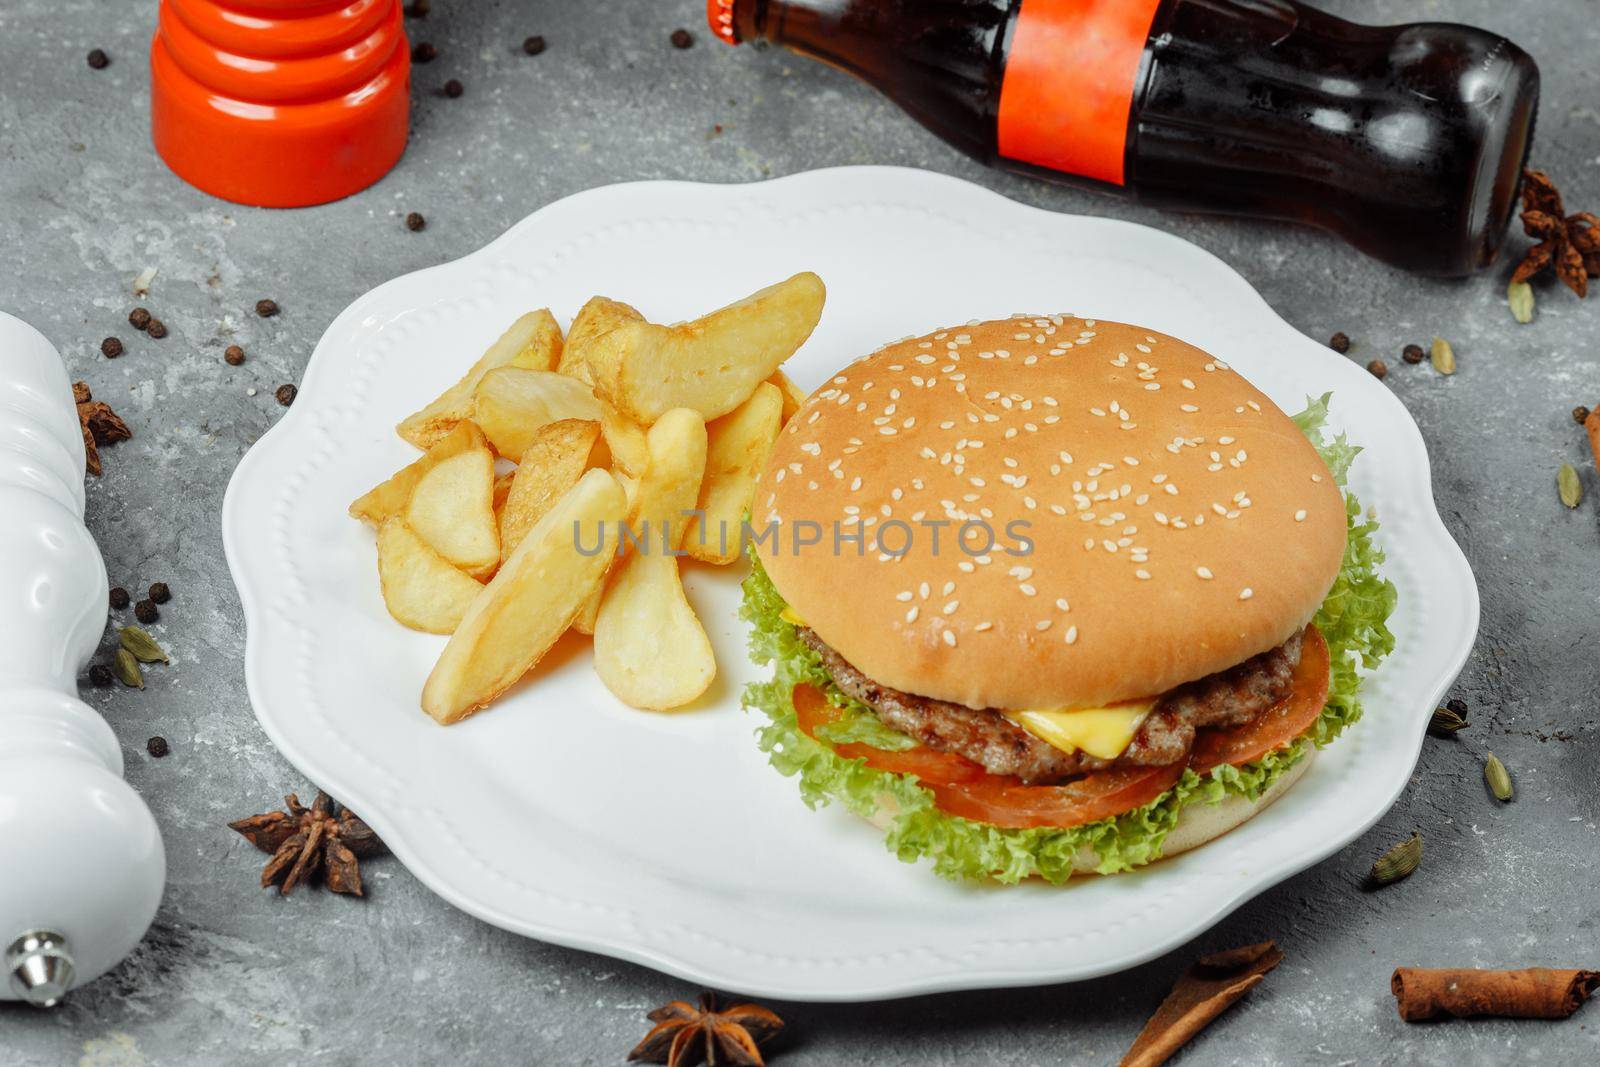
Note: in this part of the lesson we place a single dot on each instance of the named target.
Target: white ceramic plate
(666, 839)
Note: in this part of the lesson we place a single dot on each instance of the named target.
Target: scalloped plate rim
(838, 985)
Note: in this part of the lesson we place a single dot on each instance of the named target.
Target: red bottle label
(1068, 85)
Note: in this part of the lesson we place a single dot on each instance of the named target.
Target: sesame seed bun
(1179, 522)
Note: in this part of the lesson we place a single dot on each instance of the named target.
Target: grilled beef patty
(1227, 698)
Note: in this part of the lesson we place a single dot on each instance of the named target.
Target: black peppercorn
(418, 9)
(1340, 342)
(1580, 414)
(424, 53)
(533, 45)
(286, 394)
(145, 611)
(138, 318)
(98, 60)
(100, 676)
(119, 598)
(234, 355)
(415, 221)
(1378, 368)
(160, 593)
(682, 38)
(453, 88)
(1413, 354)
(156, 328)
(157, 747)
(1457, 705)
(111, 347)
(266, 308)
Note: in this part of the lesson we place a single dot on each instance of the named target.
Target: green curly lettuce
(1352, 618)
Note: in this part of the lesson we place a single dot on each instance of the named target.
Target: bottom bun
(1198, 823)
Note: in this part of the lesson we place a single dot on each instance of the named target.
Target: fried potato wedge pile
(562, 481)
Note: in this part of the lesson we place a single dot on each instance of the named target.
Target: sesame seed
(1042, 625)
(1246, 593)
(1142, 575)
(1072, 635)
(984, 625)
(911, 616)
(1300, 516)
(950, 608)
(903, 596)
(1204, 572)
(1027, 590)
(949, 638)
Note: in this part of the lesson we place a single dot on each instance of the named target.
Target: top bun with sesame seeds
(1046, 512)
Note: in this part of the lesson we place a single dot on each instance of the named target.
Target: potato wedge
(532, 343)
(550, 466)
(512, 405)
(390, 497)
(649, 648)
(738, 447)
(793, 395)
(600, 315)
(711, 364)
(530, 603)
(502, 490)
(626, 441)
(670, 486)
(673, 489)
(584, 621)
(452, 510)
(420, 587)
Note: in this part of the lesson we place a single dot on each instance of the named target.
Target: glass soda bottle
(1407, 141)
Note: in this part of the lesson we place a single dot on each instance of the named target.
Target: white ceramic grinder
(81, 862)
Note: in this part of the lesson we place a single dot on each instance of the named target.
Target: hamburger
(1049, 595)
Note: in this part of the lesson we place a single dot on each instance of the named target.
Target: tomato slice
(1003, 801)
(962, 787)
(813, 711)
(1279, 724)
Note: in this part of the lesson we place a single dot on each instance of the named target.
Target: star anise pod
(1570, 243)
(685, 1034)
(99, 424)
(305, 841)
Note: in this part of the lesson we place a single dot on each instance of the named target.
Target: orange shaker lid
(280, 103)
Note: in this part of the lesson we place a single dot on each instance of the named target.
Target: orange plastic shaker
(280, 103)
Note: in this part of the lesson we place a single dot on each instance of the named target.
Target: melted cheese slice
(1102, 732)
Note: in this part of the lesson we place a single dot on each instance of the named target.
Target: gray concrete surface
(232, 975)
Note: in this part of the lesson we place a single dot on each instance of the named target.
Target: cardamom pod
(1569, 486)
(142, 645)
(1446, 722)
(1398, 862)
(1519, 295)
(1499, 779)
(127, 669)
(1443, 356)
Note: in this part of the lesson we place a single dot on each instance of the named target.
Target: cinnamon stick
(1591, 426)
(1534, 993)
(1206, 990)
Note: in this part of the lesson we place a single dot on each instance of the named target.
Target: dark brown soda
(1408, 141)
